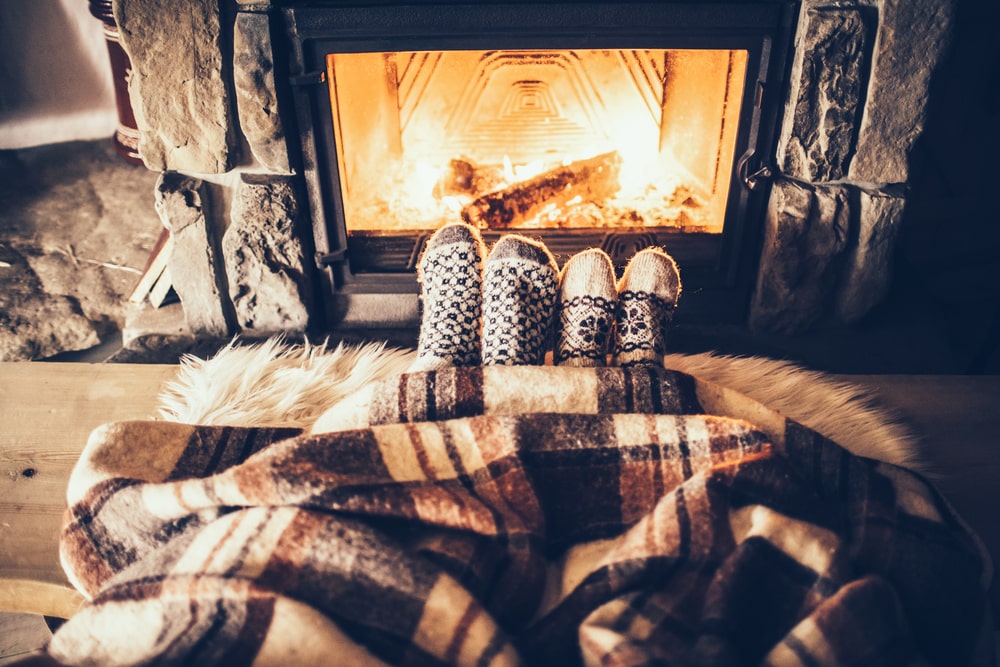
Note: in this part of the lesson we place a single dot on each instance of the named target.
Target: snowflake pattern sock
(450, 275)
(647, 296)
(587, 298)
(520, 284)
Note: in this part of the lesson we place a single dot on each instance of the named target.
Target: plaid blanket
(506, 516)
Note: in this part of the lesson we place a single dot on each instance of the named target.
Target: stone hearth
(209, 100)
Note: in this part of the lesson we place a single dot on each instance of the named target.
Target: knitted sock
(647, 296)
(520, 283)
(587, 301)
(450, 275)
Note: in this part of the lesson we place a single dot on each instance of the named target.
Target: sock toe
(517, 247)
(654, 271)
(456, 232)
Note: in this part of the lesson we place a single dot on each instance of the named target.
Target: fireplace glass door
(536, 139)
(611, 125)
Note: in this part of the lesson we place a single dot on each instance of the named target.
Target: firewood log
(462, 176)
(592, 180)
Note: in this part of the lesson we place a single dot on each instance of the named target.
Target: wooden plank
(41, 598)
(47, 411)
(21, 634)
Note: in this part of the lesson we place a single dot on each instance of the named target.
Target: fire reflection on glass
(536, 139)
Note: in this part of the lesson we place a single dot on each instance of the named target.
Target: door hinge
(325, 259)
(308, 79)
(753, 171)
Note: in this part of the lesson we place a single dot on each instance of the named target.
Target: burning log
(464, 177)
(591, 180)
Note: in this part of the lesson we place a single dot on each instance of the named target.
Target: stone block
(177, 87)
(265, 259)
(867, 272)
(256, 96)
(194, 265)
(819, 129)
(34, 323)
(911, 43)
(806, 231)
(166, 322)
(45, 326)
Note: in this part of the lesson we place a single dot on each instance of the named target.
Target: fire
(536, 139)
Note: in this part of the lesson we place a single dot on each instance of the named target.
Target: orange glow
(619, 138)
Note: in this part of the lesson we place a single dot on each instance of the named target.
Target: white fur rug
(278, 384)
(274, 383)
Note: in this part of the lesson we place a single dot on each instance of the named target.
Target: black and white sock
(647, 296)
(520, 284)
(587, 299)
(450, 275)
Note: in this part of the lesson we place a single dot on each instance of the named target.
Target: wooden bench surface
(47, 411)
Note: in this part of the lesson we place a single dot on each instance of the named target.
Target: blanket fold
(485, 518)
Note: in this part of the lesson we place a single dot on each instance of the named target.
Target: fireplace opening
(536, 139)
(613, 125)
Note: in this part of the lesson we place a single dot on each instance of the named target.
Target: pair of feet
(499, 308)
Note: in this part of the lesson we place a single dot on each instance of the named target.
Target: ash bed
(690, 521)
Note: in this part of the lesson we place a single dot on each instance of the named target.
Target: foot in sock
(450, 275)
(520, 285)
(647, 296)
(587, 298)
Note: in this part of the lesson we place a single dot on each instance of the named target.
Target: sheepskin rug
(275, 383)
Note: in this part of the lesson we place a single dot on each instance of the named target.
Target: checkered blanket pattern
(489, 517)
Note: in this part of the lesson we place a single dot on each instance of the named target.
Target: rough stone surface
(912, 40)
(820, 127)
(256, 97)
(177, 89)
(159, 336)
(867, 273)
(167, 321)
(76, 226)
(806, 230)
(265, 260)
(33, 323)
(194, 266)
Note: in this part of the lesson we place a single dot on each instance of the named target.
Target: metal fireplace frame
(371, 281)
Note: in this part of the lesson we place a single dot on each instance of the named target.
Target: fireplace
(308, 149)
(615, 126)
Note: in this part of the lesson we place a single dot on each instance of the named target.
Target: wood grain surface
(47, 411)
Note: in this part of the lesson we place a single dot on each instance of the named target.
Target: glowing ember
(426, 198)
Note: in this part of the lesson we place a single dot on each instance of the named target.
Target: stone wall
(204, 91)
(206, 102)
(856, 105)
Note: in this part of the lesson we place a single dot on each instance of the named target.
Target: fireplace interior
(535, 139)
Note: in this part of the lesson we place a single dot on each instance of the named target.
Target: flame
(416, 151)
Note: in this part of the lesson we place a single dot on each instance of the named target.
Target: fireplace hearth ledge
(843, 158)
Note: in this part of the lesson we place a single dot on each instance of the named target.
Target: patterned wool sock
(587, 298)
(647, 296)
(450, 275)
(520, 283)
